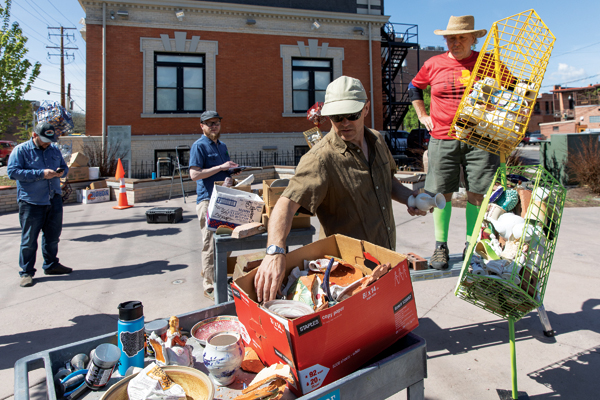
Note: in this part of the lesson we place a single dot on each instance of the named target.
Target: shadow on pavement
(461, 339)
(100, 237)
(19, 345)
(559, 377)
(157, 267)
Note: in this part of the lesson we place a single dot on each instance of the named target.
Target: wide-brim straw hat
(460, 26)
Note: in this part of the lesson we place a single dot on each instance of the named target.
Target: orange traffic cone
(122, 199)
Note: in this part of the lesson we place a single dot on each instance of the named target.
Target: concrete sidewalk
(117, 256)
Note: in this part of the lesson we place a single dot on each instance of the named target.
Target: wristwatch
(273, 249)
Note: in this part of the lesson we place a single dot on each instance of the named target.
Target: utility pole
(62, 56)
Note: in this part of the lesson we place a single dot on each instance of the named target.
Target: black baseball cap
(206, 115)
(46, 132)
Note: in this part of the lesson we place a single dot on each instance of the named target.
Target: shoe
(26, 281)
(58, 270)
(210, 294)
(439, 259)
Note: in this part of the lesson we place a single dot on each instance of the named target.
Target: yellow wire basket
(499, 98)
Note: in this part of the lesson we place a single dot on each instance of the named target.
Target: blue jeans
(33, 219)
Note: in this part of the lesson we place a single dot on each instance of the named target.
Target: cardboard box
(271, 195)
(246, 263)
(232, 207)
(301, 221)
(93, 196)
(78, 160)
(328, 345)
(245, 188)
(77, 174)
(98, 185)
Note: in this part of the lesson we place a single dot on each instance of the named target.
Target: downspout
(103, 78)
(371, 79)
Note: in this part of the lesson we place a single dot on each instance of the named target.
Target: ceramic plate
(203, 329)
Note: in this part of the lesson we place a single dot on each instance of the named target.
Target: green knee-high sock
(472, 213)
(441, 222)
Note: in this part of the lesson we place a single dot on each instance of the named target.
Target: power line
(36, 11)
(581, 48)
(29, 12)
(59, 12)
(575, 80)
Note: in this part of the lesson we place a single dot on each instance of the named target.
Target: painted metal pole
(513, 357)
(103, 80)
(371, 78)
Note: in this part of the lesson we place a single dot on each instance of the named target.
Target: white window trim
(312, 50)
(148, 46)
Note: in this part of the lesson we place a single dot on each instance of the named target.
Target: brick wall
(249, 87)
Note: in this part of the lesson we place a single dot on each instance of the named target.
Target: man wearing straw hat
(346, 180)
(448, 74)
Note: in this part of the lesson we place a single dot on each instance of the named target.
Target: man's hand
(426, 120)
(227, 165)
(413, 211)
(50, 174)
(267, 281)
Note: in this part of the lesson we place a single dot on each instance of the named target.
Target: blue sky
(575, 59)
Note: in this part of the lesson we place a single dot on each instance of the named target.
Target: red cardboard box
(328, 345)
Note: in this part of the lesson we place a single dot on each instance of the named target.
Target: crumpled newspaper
(154, 384)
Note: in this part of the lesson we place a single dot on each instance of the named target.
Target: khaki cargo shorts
(445, 159)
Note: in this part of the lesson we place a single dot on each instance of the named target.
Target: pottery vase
(223, 356)
(425, 202)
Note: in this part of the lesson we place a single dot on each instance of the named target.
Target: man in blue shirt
(209, 162)
(34, 166)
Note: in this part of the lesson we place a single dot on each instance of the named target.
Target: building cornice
(232, 9)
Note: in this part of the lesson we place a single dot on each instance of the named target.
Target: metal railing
(144, 169)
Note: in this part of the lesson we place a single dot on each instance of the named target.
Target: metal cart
(401, 366)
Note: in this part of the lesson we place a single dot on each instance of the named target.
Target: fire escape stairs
(394, 49)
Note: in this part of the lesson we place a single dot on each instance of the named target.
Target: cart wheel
(549, 333)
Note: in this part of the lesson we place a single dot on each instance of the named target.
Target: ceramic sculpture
(425, 202)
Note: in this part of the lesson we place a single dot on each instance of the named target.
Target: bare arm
(425, 119)
(271, 271)
(401, 193)
(199, 173)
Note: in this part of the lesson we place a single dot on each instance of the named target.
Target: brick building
(260, 63)
(575, 110)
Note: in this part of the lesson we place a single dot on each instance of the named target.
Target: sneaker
(26, 281)
(210, 294)
(439, 259)
(58, 270)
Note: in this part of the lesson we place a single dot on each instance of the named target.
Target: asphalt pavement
(117, 256)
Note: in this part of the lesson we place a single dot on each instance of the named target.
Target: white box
(232, 207)
(93, 196)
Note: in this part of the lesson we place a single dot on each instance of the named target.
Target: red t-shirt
(448, 78)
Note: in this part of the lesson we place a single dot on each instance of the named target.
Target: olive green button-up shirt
(350, 195)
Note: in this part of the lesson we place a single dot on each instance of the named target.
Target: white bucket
(94, 173)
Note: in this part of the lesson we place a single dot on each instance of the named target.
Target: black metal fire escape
(396, 40)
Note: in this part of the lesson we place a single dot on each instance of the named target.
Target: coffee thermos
(131, 335)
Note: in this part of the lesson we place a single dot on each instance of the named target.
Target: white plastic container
(94, 173)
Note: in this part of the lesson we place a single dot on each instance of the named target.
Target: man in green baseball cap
(346, 180)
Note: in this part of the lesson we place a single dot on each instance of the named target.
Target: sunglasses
(349, 117)
(211, 124)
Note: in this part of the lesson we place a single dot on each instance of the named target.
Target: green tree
(410, 120)
(15, 79)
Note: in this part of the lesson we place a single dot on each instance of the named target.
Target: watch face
(273, 249)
